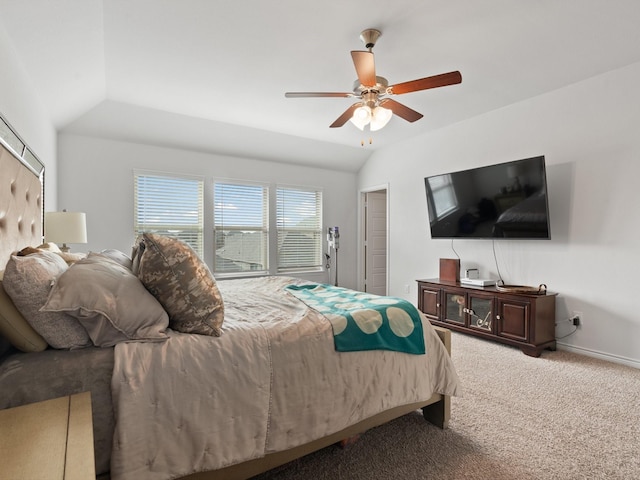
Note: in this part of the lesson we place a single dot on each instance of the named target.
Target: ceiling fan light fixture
(361, 116)
(380, 116)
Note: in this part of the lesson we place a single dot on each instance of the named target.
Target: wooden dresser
(523, 320)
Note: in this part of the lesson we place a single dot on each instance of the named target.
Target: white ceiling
(211, 75)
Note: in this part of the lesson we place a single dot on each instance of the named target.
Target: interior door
(375, 242)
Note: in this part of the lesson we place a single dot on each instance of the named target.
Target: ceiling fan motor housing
(370, 99)
(370, 37)
(380, 87)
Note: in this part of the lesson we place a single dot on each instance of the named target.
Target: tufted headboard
(20, 206)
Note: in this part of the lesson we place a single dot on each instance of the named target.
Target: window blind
(299, 225)
(241, 227)
(170, 205)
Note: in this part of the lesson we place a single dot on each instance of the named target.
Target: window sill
(239, 275)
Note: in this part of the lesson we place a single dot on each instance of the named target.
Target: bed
(527, 218)
(261, 385)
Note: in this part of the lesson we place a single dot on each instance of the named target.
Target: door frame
(361, 232)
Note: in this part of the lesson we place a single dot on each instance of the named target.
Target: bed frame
(21, 226)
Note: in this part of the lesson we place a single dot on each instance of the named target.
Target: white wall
(22, 108)
(96, 177)
(589, 135)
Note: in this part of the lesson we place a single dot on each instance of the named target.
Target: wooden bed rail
(439, 413)
(445, 337)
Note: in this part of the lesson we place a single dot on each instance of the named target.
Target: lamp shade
(513, 171)
(379, 118)
(65, 227)
(361, 116)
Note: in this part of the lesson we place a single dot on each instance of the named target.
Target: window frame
(270, 229)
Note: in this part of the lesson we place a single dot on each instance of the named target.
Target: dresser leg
(531, 351)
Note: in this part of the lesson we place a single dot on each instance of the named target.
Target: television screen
(506, 200)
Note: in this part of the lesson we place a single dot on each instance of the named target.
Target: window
(444, 195)
(170, 205)
(241, 227)
(299, 224)
(257, 228)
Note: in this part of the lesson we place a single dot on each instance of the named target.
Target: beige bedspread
(272, 381)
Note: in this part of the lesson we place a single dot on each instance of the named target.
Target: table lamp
(65, 227)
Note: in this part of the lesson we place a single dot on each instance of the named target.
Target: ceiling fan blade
(344, 118)
(435, 81)
(365, 67)
(318, 94)
(401, 110)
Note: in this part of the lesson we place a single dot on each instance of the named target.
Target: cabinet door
(480, 312)
(455, 307)
(513, 319)
(429, 302)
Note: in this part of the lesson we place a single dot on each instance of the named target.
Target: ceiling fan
(374, 108)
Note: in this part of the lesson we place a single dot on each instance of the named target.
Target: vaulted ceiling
(210, 75)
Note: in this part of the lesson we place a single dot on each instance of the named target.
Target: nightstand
(48, 440)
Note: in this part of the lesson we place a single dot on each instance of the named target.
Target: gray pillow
(27, 280)
(182, 283)
(109, 301)
(15, 327)
(117, 256)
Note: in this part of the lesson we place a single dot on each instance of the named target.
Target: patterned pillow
(182, 283)
(27, 280)
(109, 301)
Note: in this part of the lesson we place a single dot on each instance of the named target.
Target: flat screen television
(505, 200)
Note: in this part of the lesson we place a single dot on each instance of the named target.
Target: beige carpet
(560, 416)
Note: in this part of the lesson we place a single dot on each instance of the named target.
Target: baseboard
(601, 355)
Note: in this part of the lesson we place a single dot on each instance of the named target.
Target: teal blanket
(362, 321)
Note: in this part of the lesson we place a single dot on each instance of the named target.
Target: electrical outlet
(577, 318)
(407, 289)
